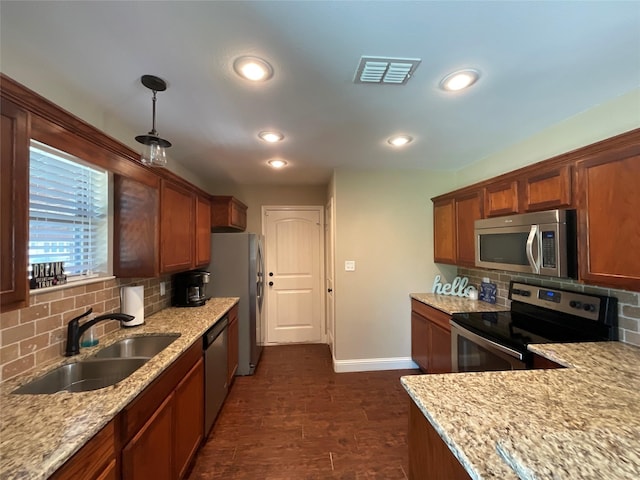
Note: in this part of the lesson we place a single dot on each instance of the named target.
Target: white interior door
(329, 266)
(293, 281)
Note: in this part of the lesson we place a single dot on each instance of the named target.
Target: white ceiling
(541, 62)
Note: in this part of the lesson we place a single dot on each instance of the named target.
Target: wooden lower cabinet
(429, 457)
(148, 454)
(544, 363)
(156, 436)
(110, 472)
(162, 429)
(420, 341)
(96, 460)
(188, 418)
(430, 338)
(233, 346)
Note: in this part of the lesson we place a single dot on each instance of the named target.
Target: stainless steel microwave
(542, 243)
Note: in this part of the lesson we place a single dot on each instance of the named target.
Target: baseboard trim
(373, 364)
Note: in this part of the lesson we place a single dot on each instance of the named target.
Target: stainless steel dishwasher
(215, 371)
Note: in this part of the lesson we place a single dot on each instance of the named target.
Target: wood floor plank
(296, 419)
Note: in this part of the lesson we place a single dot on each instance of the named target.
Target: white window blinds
(68, 212)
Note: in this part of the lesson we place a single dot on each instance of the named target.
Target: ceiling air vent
(385, 70)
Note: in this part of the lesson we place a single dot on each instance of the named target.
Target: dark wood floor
(296, 419)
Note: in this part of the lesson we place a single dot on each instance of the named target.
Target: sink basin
(83, 376)
(146, 346)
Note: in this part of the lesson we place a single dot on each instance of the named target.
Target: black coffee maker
(189, 289)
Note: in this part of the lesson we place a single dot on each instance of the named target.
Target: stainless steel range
(498, 340)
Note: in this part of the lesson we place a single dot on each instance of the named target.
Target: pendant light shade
(154, 152)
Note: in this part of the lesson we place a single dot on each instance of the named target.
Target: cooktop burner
(545, 315)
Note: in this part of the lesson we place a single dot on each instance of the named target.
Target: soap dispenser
(90, 337)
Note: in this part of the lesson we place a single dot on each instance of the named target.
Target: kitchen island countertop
(577, 422)
(39, 433)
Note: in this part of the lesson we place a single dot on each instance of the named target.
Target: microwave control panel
(549, 249)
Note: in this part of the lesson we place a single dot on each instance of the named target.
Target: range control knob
(588, 307)
(575, 304)
(525, 293)
(516, 291)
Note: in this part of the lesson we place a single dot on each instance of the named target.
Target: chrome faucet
(75, 330)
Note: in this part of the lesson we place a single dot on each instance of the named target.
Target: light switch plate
(163, 290)
(350, 266)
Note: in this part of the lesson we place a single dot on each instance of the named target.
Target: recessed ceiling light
(253, 68)
(271, 137)
(459, 80)
(277, 163)
(399, 140)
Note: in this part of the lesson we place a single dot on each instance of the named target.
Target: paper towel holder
(132, 303)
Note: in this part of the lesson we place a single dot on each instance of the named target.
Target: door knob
(271, 284)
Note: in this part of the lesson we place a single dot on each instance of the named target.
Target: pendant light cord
(153, 115)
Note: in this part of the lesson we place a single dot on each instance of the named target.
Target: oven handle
(483, 342)
(533, 235)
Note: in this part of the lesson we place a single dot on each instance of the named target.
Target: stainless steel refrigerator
(237, 270)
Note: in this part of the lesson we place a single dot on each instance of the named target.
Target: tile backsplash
(36, 335)
(628, 302)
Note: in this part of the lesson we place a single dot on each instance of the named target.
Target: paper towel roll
(132, 303)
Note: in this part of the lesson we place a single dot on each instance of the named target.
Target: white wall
(607, 120)
(383, 222)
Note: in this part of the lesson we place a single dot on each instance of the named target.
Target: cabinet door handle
(271, 284)
(330, 290)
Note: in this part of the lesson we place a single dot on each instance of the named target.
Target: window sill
(75, 283)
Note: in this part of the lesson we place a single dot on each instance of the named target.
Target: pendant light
(153, 153)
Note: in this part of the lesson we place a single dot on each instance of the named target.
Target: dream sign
(47, 274)
(459, 287)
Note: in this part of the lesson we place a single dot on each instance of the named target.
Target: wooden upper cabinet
(453, 227)
(177, 231)
(14, 204)
(468, 210)
(501, 198)
(547, 189)
(228, 214)
(203, 231)
(609, 216)
(444, 231)
(136, 233)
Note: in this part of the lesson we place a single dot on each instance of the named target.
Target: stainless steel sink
(84, 376)
(146, 346)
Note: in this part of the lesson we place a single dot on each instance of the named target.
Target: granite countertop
(451, 304)
(38, 433)
(577, 422)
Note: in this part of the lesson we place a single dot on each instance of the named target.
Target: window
(68, 213)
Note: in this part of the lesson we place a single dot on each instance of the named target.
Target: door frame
(314, 208)
(329, 264)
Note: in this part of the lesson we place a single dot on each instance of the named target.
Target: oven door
(473, 353)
